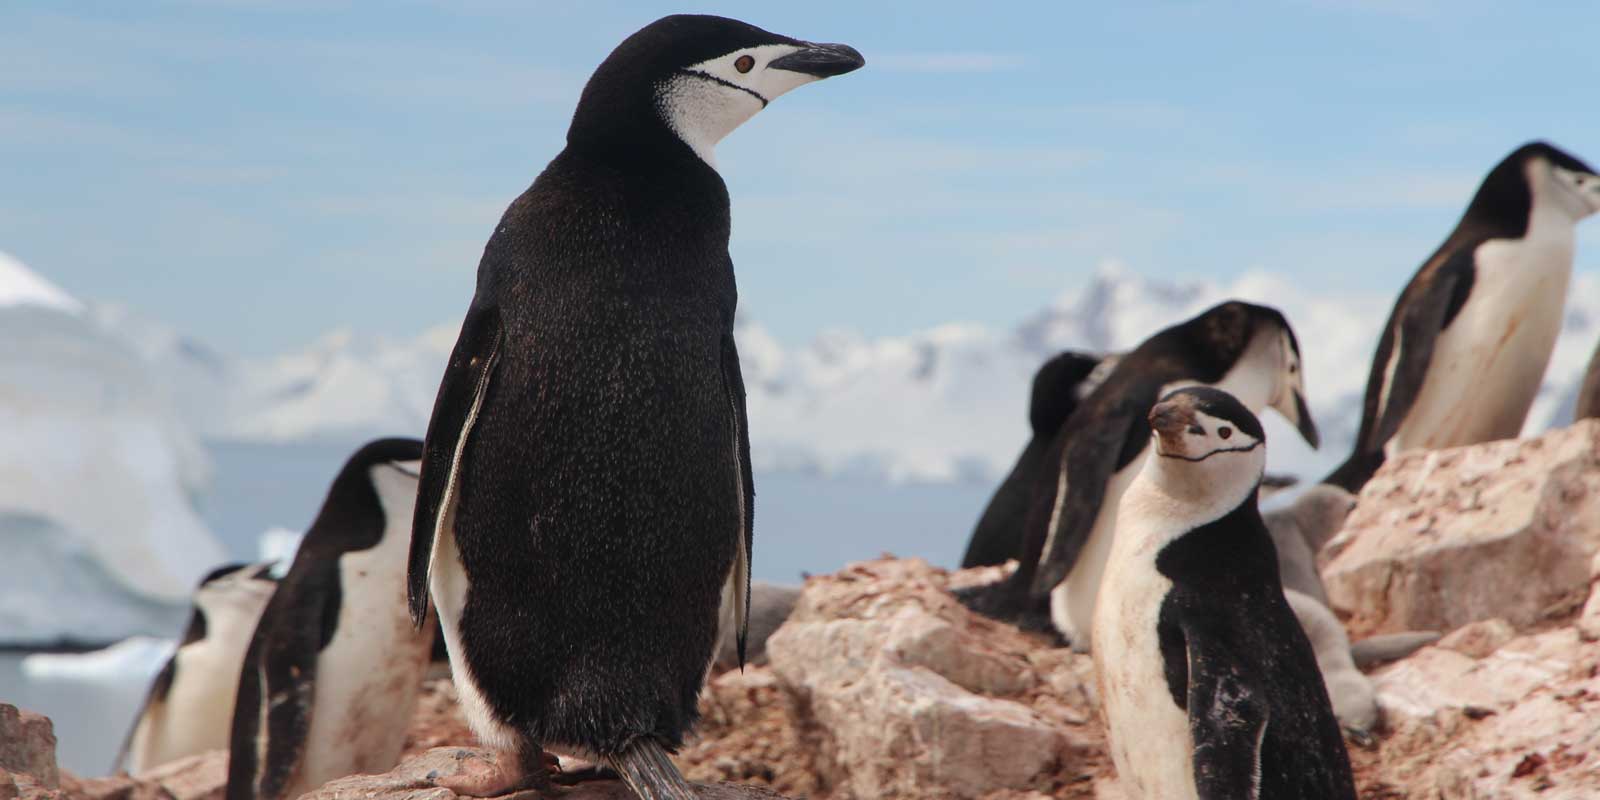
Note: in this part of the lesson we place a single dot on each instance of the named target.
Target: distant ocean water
(804, 524)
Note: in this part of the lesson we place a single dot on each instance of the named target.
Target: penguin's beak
(1293, 408)
(821, 60)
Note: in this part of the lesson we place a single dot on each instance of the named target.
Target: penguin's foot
(502, 774)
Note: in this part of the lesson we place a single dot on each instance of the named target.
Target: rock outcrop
(901, 692)
(881, 685)
(27, 754)
(1500, 530)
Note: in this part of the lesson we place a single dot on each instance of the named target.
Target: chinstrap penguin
(331, 676)
(1245, 348)
(1464, 351)
(586, 503)
(1058, 387)
(1208, 686)
(189, 707)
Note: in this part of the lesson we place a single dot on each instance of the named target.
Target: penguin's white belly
(1488, 364)
(369, 674)
(1072, 603)
(197, 713)
(448, 585)
(1148, 732)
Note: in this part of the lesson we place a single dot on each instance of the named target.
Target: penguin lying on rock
(1208, 685)
(586, 499)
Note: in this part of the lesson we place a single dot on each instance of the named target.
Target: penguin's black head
(688, 80)
(1200, 423)
(1256, 356)
(1057, 390)
(1535, 174)
(377, 484)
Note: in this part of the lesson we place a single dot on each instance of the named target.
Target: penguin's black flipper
(734, 380)
(1088, 461)
(1227, 717)
(461, 393)
(278, 682)
(1405, 349)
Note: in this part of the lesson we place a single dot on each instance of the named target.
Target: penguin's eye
(1224, 432)
(744, 64)
(1293, 368)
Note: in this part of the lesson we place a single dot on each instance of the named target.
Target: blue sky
(257, 173)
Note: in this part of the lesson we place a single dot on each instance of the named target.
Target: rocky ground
(882, 686)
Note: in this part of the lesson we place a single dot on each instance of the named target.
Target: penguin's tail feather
(647, 770)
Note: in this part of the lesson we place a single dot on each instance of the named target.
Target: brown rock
(414, 780)
(747, 736)
(902, 692)
(28, 746)
(1479, 639)
(1523, 722)
(199, 777)
(1503, 529)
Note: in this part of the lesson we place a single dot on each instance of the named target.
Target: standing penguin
(1208, 685)
(1244, 348)
(586, 495)
(332, 674)
(1058, 387)
(189, 708)
(1465, 348)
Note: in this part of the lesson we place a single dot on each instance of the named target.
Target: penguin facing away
(1245, 348)
(1058, 387)
(1463, 353)
(586, 497)
(332, 674)
(1208, 686)
(189, 707)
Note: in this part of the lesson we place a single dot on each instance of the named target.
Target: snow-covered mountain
(98, 470)
(942, 404)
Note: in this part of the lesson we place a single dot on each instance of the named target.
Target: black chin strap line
(694, 73)
(1209, 454)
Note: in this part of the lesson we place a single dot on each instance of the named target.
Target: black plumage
(1056, 394)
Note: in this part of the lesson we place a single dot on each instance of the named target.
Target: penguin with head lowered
(586, 497)
(332, 674)
(1208, 686)
(1058, 387)
(1242, 347)
(1463, 353)
(189, 708)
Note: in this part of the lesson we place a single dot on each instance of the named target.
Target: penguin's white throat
(1575, 193)
(704, 102)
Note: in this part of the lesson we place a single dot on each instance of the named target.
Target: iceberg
(98, 473)
(943, 404)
